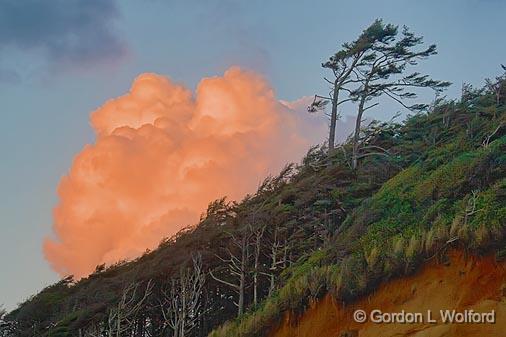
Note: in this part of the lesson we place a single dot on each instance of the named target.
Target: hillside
(315, 237)
(463, 283)
(450, 194)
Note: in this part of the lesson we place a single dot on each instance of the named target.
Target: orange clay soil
(473, 283)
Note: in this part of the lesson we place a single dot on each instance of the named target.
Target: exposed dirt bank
(477, 284)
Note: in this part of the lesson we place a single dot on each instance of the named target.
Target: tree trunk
(240, 303)
(242, 278)
(333, 119)
(258, 235)
(356, 135)
(272, 285)
(255, 292)
(237, 267)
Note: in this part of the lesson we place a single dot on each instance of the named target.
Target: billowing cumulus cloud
(162, 153)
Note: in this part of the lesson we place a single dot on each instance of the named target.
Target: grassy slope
(439, 183)
(453, 196)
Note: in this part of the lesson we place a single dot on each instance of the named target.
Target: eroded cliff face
(471, 283)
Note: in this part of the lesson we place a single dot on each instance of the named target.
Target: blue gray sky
(59, 60)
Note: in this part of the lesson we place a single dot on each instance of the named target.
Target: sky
(64, 59)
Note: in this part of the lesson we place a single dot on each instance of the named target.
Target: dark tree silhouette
(383, 72)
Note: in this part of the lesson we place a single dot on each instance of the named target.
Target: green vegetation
(323, 226)
(453, 195)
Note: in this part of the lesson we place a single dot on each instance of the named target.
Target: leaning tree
(373, 65)
(385, 70)
(342, 66)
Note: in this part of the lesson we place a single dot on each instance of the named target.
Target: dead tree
(278, 257)
(258, 235)
(122, 317)
(181, 306)
(496, 86)
(487, 139)
(236, 267)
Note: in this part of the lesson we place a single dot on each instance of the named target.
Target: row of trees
(236, 255)
(173, 309)
(247, 261)
(256, 241)
(240, 253)
(376, 64)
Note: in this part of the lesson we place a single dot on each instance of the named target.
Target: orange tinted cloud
(161, 155)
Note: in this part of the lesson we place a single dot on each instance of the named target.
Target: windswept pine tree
(320, 228)
(375, 64)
